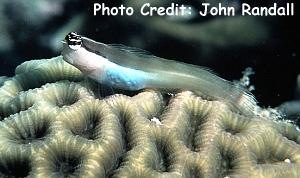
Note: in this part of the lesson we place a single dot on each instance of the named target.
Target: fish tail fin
(242, 99)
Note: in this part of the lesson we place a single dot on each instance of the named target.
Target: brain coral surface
(57, 123)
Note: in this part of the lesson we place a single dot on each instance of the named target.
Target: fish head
(73, 40)
(71, 44)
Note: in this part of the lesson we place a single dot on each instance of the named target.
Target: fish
(131, 68)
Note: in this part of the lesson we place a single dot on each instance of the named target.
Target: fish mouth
(63, 41)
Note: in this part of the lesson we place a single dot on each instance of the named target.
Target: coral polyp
(54, 123)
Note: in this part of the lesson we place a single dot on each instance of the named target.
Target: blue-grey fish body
(133, 69)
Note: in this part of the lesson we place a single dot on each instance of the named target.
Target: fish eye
(73, 40)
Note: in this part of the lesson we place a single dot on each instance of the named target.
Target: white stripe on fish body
(87, 62)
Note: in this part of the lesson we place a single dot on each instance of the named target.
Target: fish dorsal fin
(133, 50)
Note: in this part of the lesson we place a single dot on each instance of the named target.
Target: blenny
(130, 68)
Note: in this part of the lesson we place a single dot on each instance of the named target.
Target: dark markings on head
(73, 39)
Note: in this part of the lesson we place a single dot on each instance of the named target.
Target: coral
(56, 124)
(291, 108)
